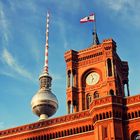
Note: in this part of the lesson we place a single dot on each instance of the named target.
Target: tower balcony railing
(106, 100)
(131, 100)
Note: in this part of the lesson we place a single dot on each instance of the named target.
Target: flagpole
(94, 30)
(95, 36)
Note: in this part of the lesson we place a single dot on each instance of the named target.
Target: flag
(90, 18)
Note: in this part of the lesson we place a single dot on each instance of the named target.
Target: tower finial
(46, 45)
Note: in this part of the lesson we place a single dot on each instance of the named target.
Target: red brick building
(98, 101)
(98, 107)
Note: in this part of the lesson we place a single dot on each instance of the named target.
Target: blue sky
(22, 42)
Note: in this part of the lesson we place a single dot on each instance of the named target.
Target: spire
(46, 45)
(95, 39)
(95, 36)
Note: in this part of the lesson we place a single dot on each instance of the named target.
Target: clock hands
(92, 78)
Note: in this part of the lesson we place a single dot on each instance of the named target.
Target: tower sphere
(44, 103)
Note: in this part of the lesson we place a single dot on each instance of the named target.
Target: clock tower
(92, 73)
(98, 101)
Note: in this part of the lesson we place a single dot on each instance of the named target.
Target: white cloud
(64, 36)
(9, 60)
(60, 23)
(28, 5)
(6, 73)
(4, 25)
(127, 10)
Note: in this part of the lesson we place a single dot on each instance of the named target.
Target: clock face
(92, 78)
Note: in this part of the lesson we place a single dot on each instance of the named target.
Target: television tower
(44, 103)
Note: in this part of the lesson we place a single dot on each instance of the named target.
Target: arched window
(107, 115)
(59, 134)
(45, 137)
(109, 67)
(89, 99)
(86, 128)
(77, 130)
(96, 95)
(51, 136)
(56, 134)
(75, 106)
(81, 130)
(69, 79)
(65, 133)
(100, 116)
(74, 78)
(69, 107)
(111, 92)
(132, 115)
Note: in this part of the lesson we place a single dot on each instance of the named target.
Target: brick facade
(97, 111)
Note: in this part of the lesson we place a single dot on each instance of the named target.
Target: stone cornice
(47, 123)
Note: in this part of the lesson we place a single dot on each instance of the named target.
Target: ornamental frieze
(133, 99)
(91, 61)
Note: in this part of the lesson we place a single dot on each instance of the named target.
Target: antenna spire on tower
(46, 45)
